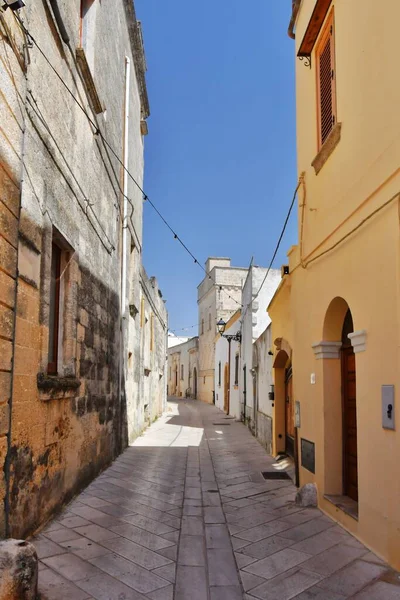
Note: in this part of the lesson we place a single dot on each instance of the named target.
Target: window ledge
(344, 503)
(89, 81)
(330, 144)
(53, 387)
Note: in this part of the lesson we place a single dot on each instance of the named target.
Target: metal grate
(275, 475)
(222, 424)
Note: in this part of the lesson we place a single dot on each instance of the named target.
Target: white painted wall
(219, 296)
(255, 320)
(221, 356)
(183, 356)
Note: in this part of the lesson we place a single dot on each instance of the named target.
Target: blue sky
(221, 151)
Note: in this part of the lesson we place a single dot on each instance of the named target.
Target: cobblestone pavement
(184, 514)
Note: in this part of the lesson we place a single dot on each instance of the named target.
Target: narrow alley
(185, 513)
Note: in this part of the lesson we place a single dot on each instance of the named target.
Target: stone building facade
(257, 293)
(183, 369)
(70, 251)
(218, 296)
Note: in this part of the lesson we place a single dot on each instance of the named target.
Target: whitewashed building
(227, 364)
(257, 294)
(264, 399)
(183, 369)
(219, 296)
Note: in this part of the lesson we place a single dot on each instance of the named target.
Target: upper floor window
(202, 326)
(326, 81)
(54, 309)
(219, 373)
(237, 369)
(209, 321)
(182, 372)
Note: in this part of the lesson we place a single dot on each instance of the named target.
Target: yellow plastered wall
(343, 216)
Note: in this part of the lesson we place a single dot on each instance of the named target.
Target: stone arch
(336, 351)
(282, 361)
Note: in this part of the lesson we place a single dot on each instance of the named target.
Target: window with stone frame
(326, 81)
(236, 382)
(54, 309)
(59, 304)
(182, 372)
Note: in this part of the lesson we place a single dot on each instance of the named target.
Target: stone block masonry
(68, 373)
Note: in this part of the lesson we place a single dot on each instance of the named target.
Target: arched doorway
(340, 403)
(349, 411)
(195, 383)
(289, 413)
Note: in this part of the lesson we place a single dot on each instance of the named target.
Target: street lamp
(236, 337)
(221, 326)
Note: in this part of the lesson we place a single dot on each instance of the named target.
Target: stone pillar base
(18, 570)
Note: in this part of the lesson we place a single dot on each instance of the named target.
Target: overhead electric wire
(109, 146)
(278, 243)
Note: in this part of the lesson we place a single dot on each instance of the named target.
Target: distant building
(174, 340)
(219, 296)
(227, 368)
(256, 295)
(183, 369)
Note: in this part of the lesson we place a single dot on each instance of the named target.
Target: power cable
(98, 132)
(278, 242)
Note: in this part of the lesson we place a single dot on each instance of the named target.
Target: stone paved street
(185, 514)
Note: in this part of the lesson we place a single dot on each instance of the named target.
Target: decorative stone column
(358, 340)
(327, 349)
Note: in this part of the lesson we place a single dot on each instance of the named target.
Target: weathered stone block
(307, 495)
(7, 289)
(8, 225)
(18, 570)
(4, 418)
(6, 322)
(9, 190)
(5, 387)
(5, 355)
(8, 257)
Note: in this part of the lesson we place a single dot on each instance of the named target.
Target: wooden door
(289, 414)
(350, 466)
(226, 389)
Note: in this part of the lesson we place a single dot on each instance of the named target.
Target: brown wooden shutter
(326, 82)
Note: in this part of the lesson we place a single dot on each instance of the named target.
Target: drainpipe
(59, 20)
(295, 12)
(122, 382)
(125, 187)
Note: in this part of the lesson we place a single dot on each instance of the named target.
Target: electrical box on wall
(388, 407)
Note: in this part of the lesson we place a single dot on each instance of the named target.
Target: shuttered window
(326, 81)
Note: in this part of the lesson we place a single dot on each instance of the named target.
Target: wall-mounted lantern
(271, 393)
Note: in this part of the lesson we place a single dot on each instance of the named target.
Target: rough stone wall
(12, 84)
(65, 429)
(153, 349)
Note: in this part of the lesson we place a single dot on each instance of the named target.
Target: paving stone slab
(104, 587)
(134, 552)
(277, 563)
(130, 574)
(54, 587)
(71, 567)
